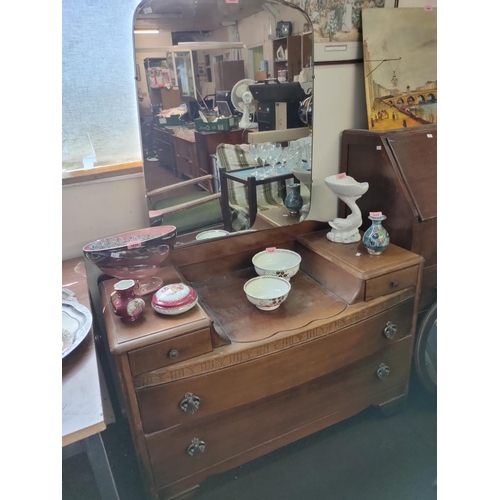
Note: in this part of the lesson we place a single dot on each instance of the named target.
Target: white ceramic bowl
(277, 262)
(213, 233)
(267, 292)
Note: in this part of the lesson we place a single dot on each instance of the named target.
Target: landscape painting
(400, 67)
(337, 26)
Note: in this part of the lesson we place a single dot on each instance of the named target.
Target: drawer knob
(190, 403)
(390, 330)
(196, 448)
(173, 353)
(394, 284)
(383, 371)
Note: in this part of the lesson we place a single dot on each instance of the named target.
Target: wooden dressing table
(225, 383)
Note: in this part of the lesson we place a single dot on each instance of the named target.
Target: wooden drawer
(170, 351)
(184, 148)
(236, 431)
(231, 387)
(391, 282)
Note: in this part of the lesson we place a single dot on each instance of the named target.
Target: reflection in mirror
(225, 100)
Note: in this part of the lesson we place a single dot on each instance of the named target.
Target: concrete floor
(367, 457)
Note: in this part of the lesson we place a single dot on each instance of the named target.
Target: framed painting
(400, 67)
(336, 25)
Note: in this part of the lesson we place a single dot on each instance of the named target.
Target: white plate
(76, 323)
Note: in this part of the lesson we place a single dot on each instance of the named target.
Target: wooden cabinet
(298, 54)
(165, 148)
(206, 145)
(246, 382)
(186, 158)
(228, 73)
(401, 169)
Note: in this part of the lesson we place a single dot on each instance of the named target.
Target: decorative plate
(76, 323)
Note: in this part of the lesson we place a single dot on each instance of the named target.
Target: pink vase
(126, 304)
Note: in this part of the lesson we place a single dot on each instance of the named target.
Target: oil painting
(337, 26)
(400, 67)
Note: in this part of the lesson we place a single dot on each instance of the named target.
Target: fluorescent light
(146, 32)
(210, 45)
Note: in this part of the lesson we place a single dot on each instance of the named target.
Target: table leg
(101, 468)
(252, 200)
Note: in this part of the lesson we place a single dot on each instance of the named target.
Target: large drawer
(176, 453)
(170, 351)
(166, 405)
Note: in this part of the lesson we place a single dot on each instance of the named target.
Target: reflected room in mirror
(222, 95)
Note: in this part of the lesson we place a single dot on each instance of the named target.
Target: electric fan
(243, 101)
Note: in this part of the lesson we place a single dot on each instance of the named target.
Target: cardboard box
(168, 120)
(222, 124)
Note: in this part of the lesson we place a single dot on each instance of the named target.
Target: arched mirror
(225, 101)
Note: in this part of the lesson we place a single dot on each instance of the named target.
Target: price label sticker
(162, 120)
(429, 136)
(358, 254)
(341, 176)
(375, 214)
(231, 1)
(271, 249)
(428, 8)
(379, 148)
(133, 244)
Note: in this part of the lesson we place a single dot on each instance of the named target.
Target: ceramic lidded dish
(175, 298)
(277, 262)
(267, 292)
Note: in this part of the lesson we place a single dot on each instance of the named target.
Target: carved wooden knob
(390, 330)
(394, 284)
(190, 403)
(383, 371)
(196, 448)
(173, 353)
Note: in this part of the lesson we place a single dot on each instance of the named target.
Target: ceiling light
(146, 32)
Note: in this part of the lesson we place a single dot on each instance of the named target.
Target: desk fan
(243, 101)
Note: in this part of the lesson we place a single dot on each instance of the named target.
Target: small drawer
(170, 351)
(390, 283)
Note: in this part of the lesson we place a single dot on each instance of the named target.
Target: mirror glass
(225, 102)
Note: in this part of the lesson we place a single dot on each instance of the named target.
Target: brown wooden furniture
(206, 145)
(401, 169)
(299, 53)
(164, 138)
(227, 73)
(185, 157)
(225, 383)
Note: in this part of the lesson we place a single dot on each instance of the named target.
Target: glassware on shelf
(256, 152)
(265, 150)
(275, 154)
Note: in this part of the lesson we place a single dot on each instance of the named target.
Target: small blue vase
(293, 200)
(376, 238)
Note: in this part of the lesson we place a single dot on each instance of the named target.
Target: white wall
(99, 96)
(94, 210)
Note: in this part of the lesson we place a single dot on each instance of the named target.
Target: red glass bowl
(133, 255)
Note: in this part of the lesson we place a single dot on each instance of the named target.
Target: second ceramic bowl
(277, 262)
(267, 292)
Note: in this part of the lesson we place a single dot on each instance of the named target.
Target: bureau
(225, 383)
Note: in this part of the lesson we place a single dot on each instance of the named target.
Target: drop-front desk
(225, 383)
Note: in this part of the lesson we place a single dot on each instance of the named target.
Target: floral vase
(293, 200)
(126, 304)
(376, 238)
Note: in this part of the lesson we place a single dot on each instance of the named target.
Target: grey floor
(367, 457)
